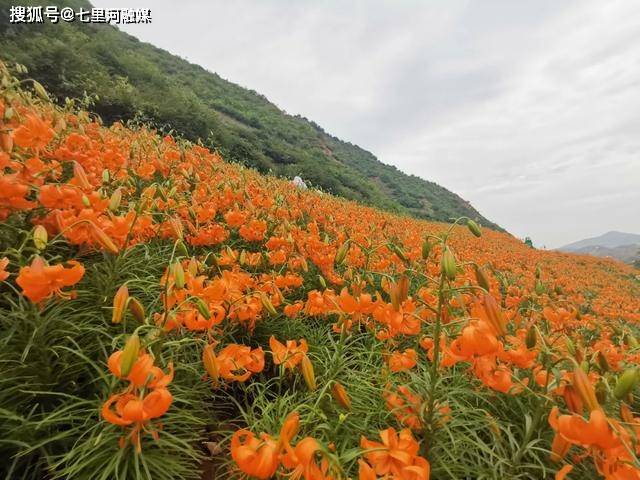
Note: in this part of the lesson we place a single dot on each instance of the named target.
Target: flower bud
(81, 176)
(539, 287)
(193, 267)
(626, 383)
(307, 373)
(601, 392)
(178, 274)
(531, 338)
(40, 91)
(103, 239)
(603, 363)
(494, 314)
(85, 201)
(210, 364)
(322, 281)
(426, 249)
(474, 228)
(40, 237)
(482, 278)
(203, 308)
(129, 354)
(106, 176)
(268, 306)
(585, 389)
(116, 198)
(448, 264)
(136, 309)
(8, 114)
(290, 428)
(176, 227)
(340, 395)
(341, 254)
(119, 304)
(631, 340)
(6, 142)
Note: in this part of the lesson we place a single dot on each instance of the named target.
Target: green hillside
(137, 81)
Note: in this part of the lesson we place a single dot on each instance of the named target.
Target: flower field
(165, 315)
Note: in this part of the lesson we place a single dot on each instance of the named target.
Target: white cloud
(527, 109)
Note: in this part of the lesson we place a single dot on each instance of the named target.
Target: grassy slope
(135, 79)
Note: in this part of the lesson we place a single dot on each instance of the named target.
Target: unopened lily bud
(210, 364)
(571, 348)
(129, 354)
(601, 392)
(340, 395)
(631, 340)
(136, 309)
(116, 198)
(474, 228)
(85, 201)
(426, 249)
(399, 291)
(539, 287)
(193, 267)
(322, 281)
(103, 239)
(203, 308)
(106, 176)
(304, 264)
(81, 176)
(40, 91)
(178, 275)
(626, 383)
(448, 264)
(120, 301)
(341, 254)
(603, 363)
(494, 314)
(585, 389)
(268, 306)
(307, 373)
(6, 142)
(176, 227)
(40, 237)
(482, 278)
(289, 429)
(531, 338)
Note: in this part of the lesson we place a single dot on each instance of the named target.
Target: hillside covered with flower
(165, 314)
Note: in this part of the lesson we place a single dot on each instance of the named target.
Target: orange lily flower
(255, 457)
(395, 454)
(290, 354)
(400, 361)
(238, 362)
(39, 281)
(131, 410)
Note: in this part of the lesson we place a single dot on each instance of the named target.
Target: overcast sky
(528, 109)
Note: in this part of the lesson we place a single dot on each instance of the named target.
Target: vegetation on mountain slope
(135, 80)
(167, 315)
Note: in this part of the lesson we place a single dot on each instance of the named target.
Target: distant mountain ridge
(131, 80)
(620, 245)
